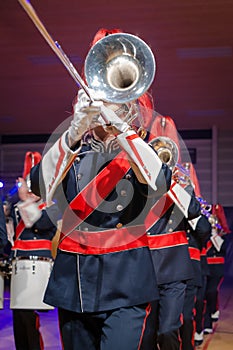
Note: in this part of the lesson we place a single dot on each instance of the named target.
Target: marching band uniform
(103, 262)
(3, 243)
(31, 257)
(3, 233)
(7, 206)
(216, 251)
(200, 300)
(166, 229)
(197, 237)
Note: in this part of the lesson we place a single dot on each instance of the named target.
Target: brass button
(119, 225)
(119, 207)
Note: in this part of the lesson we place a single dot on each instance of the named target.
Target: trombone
(119, 67)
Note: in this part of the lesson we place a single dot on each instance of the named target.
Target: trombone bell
(120, 68)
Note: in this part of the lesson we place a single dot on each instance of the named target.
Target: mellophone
(29, 278)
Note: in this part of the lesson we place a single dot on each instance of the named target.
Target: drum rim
(33, 258)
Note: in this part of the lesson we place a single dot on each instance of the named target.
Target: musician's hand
(84, 112)
(24, 192)
(116, 124)
(22, 189)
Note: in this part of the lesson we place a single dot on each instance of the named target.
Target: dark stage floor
(222, 338)
(48, 321)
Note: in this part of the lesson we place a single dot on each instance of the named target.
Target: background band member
(3, 243)
(197, 238)
(216, 251)
(166, 228)
(200, 300)
(103, 262)
(3, 232)
(31, 260)
(7, 206)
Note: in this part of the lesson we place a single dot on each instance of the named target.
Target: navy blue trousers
(212, 301)
(187, 328)
(123, 329)
(26, 330)
(199, 305)
(168, 312)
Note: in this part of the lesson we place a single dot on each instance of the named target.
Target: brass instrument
(168, 153)
(206, 210)
(120, 67)
(166, 149)
(181, 175)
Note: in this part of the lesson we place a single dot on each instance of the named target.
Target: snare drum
(29, 280)
(1, 290)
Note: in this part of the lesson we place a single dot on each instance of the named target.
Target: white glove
(29, 212)
(216, 239)
(113, 119)
(84, 112)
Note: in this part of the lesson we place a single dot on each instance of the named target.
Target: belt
(167, 240)
(216, 260)
(34, 244)
(106, 241)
